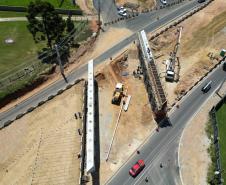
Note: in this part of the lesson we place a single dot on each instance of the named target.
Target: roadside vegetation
(66, 4)
(211, 151)
(221, 120)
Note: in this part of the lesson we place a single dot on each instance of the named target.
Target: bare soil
(42, 146)
(138, 5)
(202, 34)
(139, 114)
(86, 6)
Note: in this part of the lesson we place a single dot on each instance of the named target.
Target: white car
(122, 11)
(121, 8)
(163, 2)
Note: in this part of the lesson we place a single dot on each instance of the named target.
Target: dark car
(207, 87)
(201, 1)
(137, 168)
(224, 66)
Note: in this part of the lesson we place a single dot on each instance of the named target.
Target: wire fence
(41, 63)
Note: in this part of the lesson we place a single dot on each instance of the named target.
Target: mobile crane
(170, 64)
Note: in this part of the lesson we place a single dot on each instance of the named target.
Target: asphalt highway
(162, 146)
(52, 89)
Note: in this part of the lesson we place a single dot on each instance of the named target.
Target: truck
(118, 94)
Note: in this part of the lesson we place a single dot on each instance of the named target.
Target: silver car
(163, 2)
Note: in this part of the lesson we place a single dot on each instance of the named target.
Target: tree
(70, 24)
(45, 23)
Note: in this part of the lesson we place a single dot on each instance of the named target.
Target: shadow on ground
(96, 173)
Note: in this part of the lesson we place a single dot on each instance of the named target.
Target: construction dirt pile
(137, 5)
(139, 114)
(42, 146)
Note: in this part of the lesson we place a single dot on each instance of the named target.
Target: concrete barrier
(50, 97)
(60, 92)
(41, 103)
(7, 123)
(20, 116)
(30, 109)
(69, 86)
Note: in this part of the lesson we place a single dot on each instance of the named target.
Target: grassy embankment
(221, 120)
(21, 54)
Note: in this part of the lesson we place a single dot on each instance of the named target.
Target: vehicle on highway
(137, 168)
(122, 11)
(121, 8)
(124, 14)
(224, 66)
(163, 2)
(201, 1)
(207, 87)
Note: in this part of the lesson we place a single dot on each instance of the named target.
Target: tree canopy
(45, 23)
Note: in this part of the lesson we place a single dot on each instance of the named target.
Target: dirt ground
(197, 42)
(109, 39)
(42, 146)
(138, 5)
(139, 114)
(86, 6)
(197, 142)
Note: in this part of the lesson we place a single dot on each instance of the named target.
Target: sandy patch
(42, 147)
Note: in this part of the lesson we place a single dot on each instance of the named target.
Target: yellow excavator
(118, 94)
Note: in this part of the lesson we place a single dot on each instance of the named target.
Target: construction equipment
(118, 94)
(170, 64)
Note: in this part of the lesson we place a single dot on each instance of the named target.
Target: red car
(137, 168)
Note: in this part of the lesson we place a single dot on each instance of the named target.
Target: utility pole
(59, 60)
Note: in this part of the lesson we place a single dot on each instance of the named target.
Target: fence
(216, 138)
(35, 66)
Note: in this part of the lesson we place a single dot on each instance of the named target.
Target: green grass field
(221, 119)
(66, 4)
(21, 52)
(4, 14)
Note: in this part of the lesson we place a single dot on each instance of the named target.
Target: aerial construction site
(134, 94)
